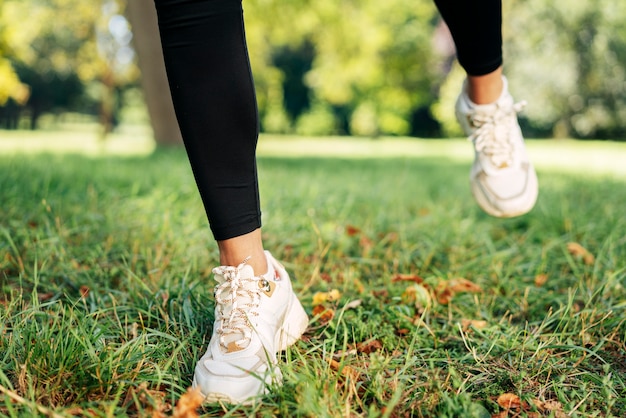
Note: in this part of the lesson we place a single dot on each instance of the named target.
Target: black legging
(476, 26)
(213, 92)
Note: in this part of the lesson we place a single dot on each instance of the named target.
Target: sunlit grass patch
(420, 304)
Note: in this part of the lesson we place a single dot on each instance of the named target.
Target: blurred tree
(143, 18)
(376, 59)
(13, 92)
(360, 67)
(10, 85)
(569, 59)
(58, 44)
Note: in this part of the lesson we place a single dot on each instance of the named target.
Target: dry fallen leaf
(187, 405)
(447, 289)
(345, 371)
(152, 401)
(325, 315)
(326, 277)
(402, 332)
(541, 279)
(467, 323)
(554, 407)
(366, 243)
(418, 295)
(352, 230)
(42, 297)
(370, 346)
(320, 298)
(84, 291)
(581, 252)
(407, 278)
(509, 401)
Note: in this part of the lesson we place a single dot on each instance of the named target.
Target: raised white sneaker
(255, 318)
(503, 180)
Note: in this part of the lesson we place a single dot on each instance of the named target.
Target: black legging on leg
(207, 63)
(476, 28)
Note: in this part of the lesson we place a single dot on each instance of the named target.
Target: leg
(213, 93)
(257, 312)
(503, 180)
(485, 89)
(476, 30)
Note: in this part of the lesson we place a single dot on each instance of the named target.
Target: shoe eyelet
(264, 285)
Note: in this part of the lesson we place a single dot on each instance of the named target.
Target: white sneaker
(504, 182)
(255, 318)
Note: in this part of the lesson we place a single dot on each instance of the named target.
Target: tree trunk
(143, 19)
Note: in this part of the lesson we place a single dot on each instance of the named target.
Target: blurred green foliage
(64, 55)
(358, 67)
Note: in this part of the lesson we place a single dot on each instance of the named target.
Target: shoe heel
(296, 322)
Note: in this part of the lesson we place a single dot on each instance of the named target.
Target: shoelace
(492, 135)
(237, 299)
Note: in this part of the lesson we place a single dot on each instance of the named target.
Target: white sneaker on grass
(255, 318)
(503, 180)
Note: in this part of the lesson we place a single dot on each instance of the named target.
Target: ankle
(485, 89)
(235, 250)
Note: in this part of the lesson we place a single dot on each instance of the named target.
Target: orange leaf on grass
(581, 252)
(370, 346)
(352, 230)
(325, 315)
(152, 401)
(187, 405)
(541, 279)
(346, 371)
(403, 332)
(509, 401)
(447, 289)
(407, 278)
(366, 243)
(417, 295)
(84, 291)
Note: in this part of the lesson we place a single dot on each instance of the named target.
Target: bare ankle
(485, 89)
(249, 246)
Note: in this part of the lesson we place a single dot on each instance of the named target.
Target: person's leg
(257, 312)
(485, 89)
(476, 27)
(213, 93)
(503, 180)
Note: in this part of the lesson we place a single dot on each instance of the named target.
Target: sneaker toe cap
(511, 194)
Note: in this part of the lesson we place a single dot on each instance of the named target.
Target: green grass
(106, 303)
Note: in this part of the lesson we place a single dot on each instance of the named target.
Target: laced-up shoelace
(237, 299)
(492, 135)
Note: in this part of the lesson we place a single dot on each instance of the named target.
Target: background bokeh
(324, 67)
